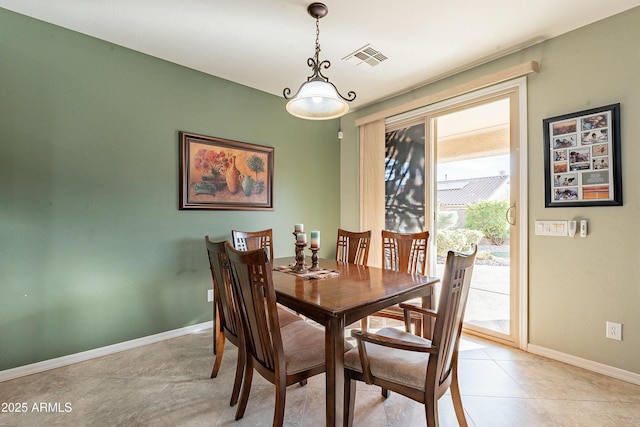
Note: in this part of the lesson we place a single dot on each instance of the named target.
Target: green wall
(93, 248)
(575, 285)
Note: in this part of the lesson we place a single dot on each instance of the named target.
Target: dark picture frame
(217, 173)
(582, 158)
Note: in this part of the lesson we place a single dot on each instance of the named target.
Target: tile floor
(168, 384)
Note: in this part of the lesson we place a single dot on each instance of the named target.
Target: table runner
(318, 274)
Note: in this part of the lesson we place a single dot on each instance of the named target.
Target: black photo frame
(582, 158)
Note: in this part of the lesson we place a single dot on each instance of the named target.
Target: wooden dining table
(335, 302)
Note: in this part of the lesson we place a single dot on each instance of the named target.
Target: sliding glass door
(473, 165)
(454, 170)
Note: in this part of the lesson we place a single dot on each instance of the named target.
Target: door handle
(509, 218)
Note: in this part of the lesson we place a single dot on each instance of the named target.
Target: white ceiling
(265, 44)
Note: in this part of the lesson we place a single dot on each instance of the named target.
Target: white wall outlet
(209, 295)
(614, 331)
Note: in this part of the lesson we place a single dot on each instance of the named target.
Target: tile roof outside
(463, 192)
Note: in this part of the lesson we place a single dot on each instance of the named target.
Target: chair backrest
(353, 247)
(222, 290)
(406, 252)
(453, 300)
(250, 240)
(251, 276)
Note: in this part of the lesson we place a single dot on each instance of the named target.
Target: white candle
(298, 228)
(315, 239)
(301, 238)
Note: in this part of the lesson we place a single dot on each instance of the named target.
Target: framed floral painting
(582, 158)
(218, 173)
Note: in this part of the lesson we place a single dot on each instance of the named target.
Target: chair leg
(349, 401)
(303, 382)
(217, 330)
(384, 392)
(218, 350)
(246, 388)
(281, 398)
(457, 399)
(431, 409)
(242, 360)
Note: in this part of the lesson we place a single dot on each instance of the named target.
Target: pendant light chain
(317, 40)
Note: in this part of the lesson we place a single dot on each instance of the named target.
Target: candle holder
(314, 260)
(300, 266)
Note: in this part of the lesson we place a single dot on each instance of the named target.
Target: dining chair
(249, 240)
(283, 355)
(406, 252)
(353, 246)
(226, 320)
(410, 365)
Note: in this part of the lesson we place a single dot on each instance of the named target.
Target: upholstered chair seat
(398, 366)
(303, 346)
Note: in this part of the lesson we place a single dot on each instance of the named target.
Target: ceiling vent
(366, 57)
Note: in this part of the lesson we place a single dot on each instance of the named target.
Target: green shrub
(490, 218)
(447, 219)
(458, 239)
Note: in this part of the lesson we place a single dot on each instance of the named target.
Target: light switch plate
(551, 228)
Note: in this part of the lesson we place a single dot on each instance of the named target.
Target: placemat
(319, 274)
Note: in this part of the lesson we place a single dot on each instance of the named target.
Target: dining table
(335, 297)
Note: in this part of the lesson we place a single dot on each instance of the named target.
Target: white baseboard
(59, 362)
(589, 365)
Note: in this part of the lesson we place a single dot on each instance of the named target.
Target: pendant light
(317, 98)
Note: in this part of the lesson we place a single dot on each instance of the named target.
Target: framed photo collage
(582, 158)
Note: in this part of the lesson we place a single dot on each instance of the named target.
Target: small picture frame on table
(582, 158)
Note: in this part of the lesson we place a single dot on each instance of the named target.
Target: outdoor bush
(489, 217)
(458, 239)
(447, 219)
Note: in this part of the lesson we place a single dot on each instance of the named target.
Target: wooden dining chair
(410, 365)
(250, 240)
(284, 355)
(226, 320)
(353, 246)
(406, 252)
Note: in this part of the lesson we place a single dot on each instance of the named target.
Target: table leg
(334, 359)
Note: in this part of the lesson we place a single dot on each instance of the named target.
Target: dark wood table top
(356, 292)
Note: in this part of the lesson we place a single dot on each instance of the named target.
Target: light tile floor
(168, 384)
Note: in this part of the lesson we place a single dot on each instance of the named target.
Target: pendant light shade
(317, 98)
